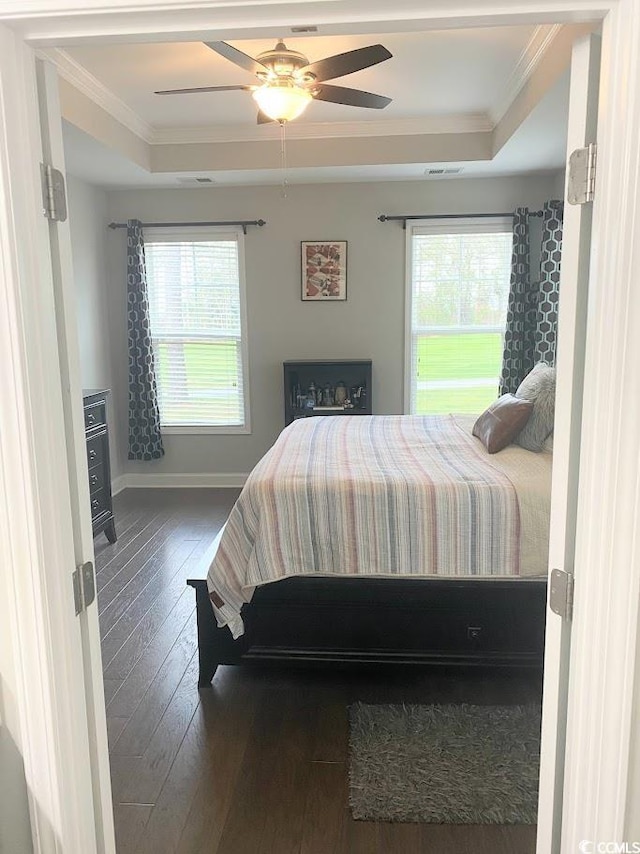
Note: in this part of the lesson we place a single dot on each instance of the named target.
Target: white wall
(370, 324)
(559, 185)
(88, 223)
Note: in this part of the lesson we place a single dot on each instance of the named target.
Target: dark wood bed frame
(492, 622)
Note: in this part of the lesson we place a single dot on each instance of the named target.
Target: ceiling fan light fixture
(282, 102)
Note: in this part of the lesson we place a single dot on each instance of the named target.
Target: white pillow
(539, 386)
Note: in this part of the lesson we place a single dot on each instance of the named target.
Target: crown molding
(531, 56)
(464, 123)
(535, 49)
(76, 74)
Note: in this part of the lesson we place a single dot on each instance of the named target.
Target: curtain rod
(404, 217)
(241, 222)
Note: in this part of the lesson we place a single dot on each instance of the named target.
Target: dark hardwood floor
(256, 764)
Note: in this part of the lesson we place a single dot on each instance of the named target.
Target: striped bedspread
(378, 496)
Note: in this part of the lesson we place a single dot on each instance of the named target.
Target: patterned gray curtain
(519, 337)
(145, 439)
(549, 289)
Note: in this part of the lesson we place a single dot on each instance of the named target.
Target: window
(458, 289)
(197, 312)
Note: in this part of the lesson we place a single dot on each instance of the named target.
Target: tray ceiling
(431, 74)
(465, 97)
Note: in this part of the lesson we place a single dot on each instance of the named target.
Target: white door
(572, 321)
(69, 360)
(44, 501)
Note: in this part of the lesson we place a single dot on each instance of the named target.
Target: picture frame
(324, 270)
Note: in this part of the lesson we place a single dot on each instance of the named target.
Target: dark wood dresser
(97, 435)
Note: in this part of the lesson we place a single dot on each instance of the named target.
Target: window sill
(202, 429)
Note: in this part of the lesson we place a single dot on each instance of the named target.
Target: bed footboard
(368, 620)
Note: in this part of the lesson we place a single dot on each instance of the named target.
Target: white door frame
(572, 322)
(604, 659)
(37, 544)
(69, 350)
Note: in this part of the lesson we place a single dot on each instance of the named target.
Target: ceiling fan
(288, 82)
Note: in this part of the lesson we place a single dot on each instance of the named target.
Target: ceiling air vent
(309, 29)
(196, 181)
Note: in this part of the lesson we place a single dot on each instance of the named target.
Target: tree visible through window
(459, 290)
(195, 307)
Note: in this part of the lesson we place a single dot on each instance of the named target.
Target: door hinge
(84, 586)
(54, 197)
(582, 175)
(561, 593)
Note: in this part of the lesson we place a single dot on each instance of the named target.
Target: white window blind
(458, 292)
(196, 307)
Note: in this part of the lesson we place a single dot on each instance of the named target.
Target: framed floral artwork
(324, 270)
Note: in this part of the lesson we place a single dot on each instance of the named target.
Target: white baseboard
(166, 481)
(118, 484)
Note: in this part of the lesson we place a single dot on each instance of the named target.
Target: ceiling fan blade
(347, 63)
(237, 56)
(204, 89)
(351, 97)
(263, 118)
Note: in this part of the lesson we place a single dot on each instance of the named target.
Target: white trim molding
(37, 548)
(76, 74)
(118, 483)
(474, 122)
(82, 21)
(133, 480)
(603, 669)
(462, 123)
(533, 53)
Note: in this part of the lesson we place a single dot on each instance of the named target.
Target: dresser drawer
(96, 450)
(99, 474)
(97, 478)
(95, 416)
(99, 503)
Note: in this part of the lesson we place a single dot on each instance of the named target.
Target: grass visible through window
(199, 378)
(457, 373)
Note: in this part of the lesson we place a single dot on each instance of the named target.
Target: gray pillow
(538, 386)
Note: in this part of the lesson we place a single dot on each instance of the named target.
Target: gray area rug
(457, 764)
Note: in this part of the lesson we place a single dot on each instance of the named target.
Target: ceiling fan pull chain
(283, 160)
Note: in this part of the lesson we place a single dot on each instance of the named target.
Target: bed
(381, 539)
